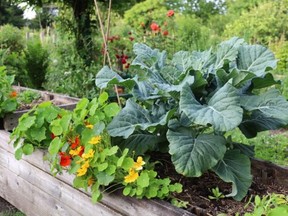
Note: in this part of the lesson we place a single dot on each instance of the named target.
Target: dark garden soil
(197, 190)
(6, 206)
(36, 102)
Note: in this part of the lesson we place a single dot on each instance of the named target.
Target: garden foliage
(77, 142)
(185, 106)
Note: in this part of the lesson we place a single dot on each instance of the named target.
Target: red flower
(13, 94)
(81, 152)
(52, 136)
(123, 61)
(75, 143)
(165, 33)
(65, 160)
(154, 27)
(131, 38)
(127, 65)
(170, 13)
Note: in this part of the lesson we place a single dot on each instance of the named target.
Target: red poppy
(52, 136)
(75, 143)
(165, 33)
(154, 27)
(65, 160)
(131, 38)
(170, 13)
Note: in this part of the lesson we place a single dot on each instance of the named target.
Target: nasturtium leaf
(227, 50)
(50, 113)
(152, 192)
(103, 97)
(111, 169)
(193, 155)
(18, 153)
(82, 104)
(9, 105)
(223, 110)
(26, 123)
(143, 180)
(123, 156)
(93, 106)
(45, 104)
(255, 58)
(235, 168)
(28, 148)
(104, 179)
(38, 134)
(127, 163)
(96, 196)
(65, 122)
(102, 166)
(57, 129)
(111, 109)
(55, 146)
(127, 190)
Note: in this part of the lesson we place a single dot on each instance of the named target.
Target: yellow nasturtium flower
(138, 165)
(131, 177)
(89, 154)
(90, 126)
(95, 140)
(76, 151)
(83, 169)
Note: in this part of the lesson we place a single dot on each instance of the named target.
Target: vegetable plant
(8, 101)
(187, 104)
(77, 142)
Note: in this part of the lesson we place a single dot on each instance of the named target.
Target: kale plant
(187, 104)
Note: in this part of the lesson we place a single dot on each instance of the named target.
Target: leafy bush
(36, 62)
(187, 104)
(11, 38)
(8, 102)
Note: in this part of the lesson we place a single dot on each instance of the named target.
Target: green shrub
(11, 38)
(36, 63)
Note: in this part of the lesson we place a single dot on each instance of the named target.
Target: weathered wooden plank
(116, 201)
(20, 180)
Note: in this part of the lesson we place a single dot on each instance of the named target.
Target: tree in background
(11, 14)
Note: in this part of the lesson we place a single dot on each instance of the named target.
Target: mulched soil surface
(6, 206)
(197, 190)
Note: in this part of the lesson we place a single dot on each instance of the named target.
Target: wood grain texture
(28, 185)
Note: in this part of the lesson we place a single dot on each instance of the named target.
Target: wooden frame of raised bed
(11, 120)
(28, 185)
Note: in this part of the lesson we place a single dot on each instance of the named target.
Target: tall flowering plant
(8, 101)
(79, 144)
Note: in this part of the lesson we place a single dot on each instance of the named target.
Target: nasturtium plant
(185, 106)
(8, 96)
(77, 142)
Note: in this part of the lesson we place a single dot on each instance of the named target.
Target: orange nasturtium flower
(83, 169)
(138, 165)
(95, 140)
(13, 94)
(76, 142)
(131, 177)
(65, 160)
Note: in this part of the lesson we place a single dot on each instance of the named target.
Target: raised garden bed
(28, 185)
(10, 121)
